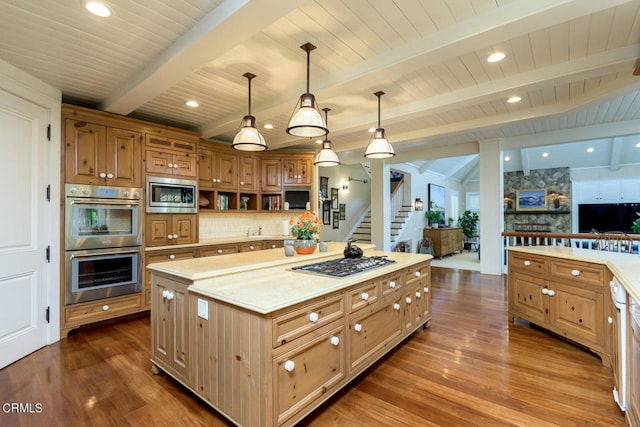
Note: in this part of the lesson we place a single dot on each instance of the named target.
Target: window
(473, 201)
(455, 205)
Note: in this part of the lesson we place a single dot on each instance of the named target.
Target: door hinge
(48, 253)
(47, 314)
(49, 193)
(49, 132)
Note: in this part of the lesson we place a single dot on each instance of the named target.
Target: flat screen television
(607, 217)
(297, 199)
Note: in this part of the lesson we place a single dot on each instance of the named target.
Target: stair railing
(397, 199)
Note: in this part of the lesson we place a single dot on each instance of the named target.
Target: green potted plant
(433, 216)
(451, 222)
(635, 225)
(469, 223)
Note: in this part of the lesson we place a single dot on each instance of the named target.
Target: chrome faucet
(260, 231)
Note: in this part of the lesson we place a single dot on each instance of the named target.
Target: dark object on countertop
(352, 251)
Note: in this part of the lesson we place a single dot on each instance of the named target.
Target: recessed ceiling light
(590, 150)
(268, 126)
(514, 99)
(192, 104)
(97, 8)
(638, 144)
(495, 57)
(507, 158)
(545, 154)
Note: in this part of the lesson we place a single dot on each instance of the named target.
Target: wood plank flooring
(471, 368)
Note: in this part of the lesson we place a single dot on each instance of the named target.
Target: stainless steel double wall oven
(103, 242)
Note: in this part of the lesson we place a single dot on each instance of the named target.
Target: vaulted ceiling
(571, 62)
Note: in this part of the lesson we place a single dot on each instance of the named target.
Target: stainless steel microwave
(171, 195)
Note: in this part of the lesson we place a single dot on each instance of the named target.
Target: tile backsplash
(232, 224)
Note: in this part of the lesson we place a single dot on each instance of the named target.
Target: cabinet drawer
(307, 372)
(169, 255)
(527, 264)
(101, 310)
(273, 244)
(370, 332)
(363, 296)
(578, 272)
(416, 273)
(218, 250)
(391, 285)
(294, 324)
(250, 247)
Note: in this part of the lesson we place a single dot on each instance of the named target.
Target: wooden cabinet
(250, 247)
(633, 352)
(164, 255)
(101, 155)
(170, 338)
(271, 175)
(565, 296)
(445, 240)
(170, 229)
(248, 173)
(173, 164)
(607, 191)
(77, 315)
(215, 250)
(296, 171)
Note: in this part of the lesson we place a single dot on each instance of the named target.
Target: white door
(24, 222)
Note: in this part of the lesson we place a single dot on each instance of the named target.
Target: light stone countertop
(267, 284)
(626, 267)
(221, 241)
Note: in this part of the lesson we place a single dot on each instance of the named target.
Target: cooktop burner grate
(344, 267)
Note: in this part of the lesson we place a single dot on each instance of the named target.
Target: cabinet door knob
(170, 165)
(289, 366)
(219, 251)
(575, 273)
(418, 294)
(335, 341)
(551, 292)
(172, 257)
(527, 263)
(396, 306)
(610, 320)
(313, 317)
(109, 175)
(105, 307)
(357, 327)
(408, 300)
(392, 284)
(365, 296)
(251, 248)
(545, 291)
(169, 237)
(273, 246)
(175, 236)
(241, 182)
(426, 290)
(417, 274)
(165, 293)
(170, 296)
(103, 175)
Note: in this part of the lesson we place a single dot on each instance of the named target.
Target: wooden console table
(445, 240)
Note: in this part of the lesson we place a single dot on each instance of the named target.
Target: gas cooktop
(344, 267)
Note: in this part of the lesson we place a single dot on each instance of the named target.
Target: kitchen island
(264, 344)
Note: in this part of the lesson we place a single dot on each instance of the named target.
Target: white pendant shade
(379, 147)
(248, 138)
(326, 157)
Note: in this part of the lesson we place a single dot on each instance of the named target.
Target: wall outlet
(203, 309)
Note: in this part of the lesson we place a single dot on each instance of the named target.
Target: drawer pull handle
(551, 292)
(527, 263)
(357, 327)
(392, 284)
(408, 300)
(545, 291)
(313, 317)
(169, 237)
(105, 307)
(396, 306)
(418, 294)
(175, 236)
(575, 273)
(109, 175)
(165, 293)
(251, 247)
(172, 256)
(335, 341)
(426, 290)
(103, 175)
(219, 251)
(417, 274)
(365, 296)
(289, 366)
(273, 246)
(610, 320)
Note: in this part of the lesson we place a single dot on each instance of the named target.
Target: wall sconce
(418, 205)
(345, 186)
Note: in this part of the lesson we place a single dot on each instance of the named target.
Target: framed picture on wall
(343, 211)
(326, 212)
(437, 200)
(531, 200)
(336, 219)
(334, 198)
(324, 187)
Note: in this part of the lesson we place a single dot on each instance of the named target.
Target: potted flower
(433, 216)
(306, 229)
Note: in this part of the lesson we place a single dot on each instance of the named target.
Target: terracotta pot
(304, 247)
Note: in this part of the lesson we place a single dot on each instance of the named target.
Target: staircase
(399, 219)
(363, 232)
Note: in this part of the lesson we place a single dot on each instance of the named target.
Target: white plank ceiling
(571, 61)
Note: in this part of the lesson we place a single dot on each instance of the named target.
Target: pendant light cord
(249, 76)
(379, 94)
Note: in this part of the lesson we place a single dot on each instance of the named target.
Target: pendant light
(306, 120)
(248, 138)
(379, 147)
(326, 157)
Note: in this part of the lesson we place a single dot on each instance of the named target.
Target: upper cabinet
(247, 173)
(296, 171)
(101, 155)
(170, 156)
(607, 191)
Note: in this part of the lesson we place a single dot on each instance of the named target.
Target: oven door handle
(96, 254)
(77, 202)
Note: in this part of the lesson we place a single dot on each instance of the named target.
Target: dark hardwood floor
(471, 368)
